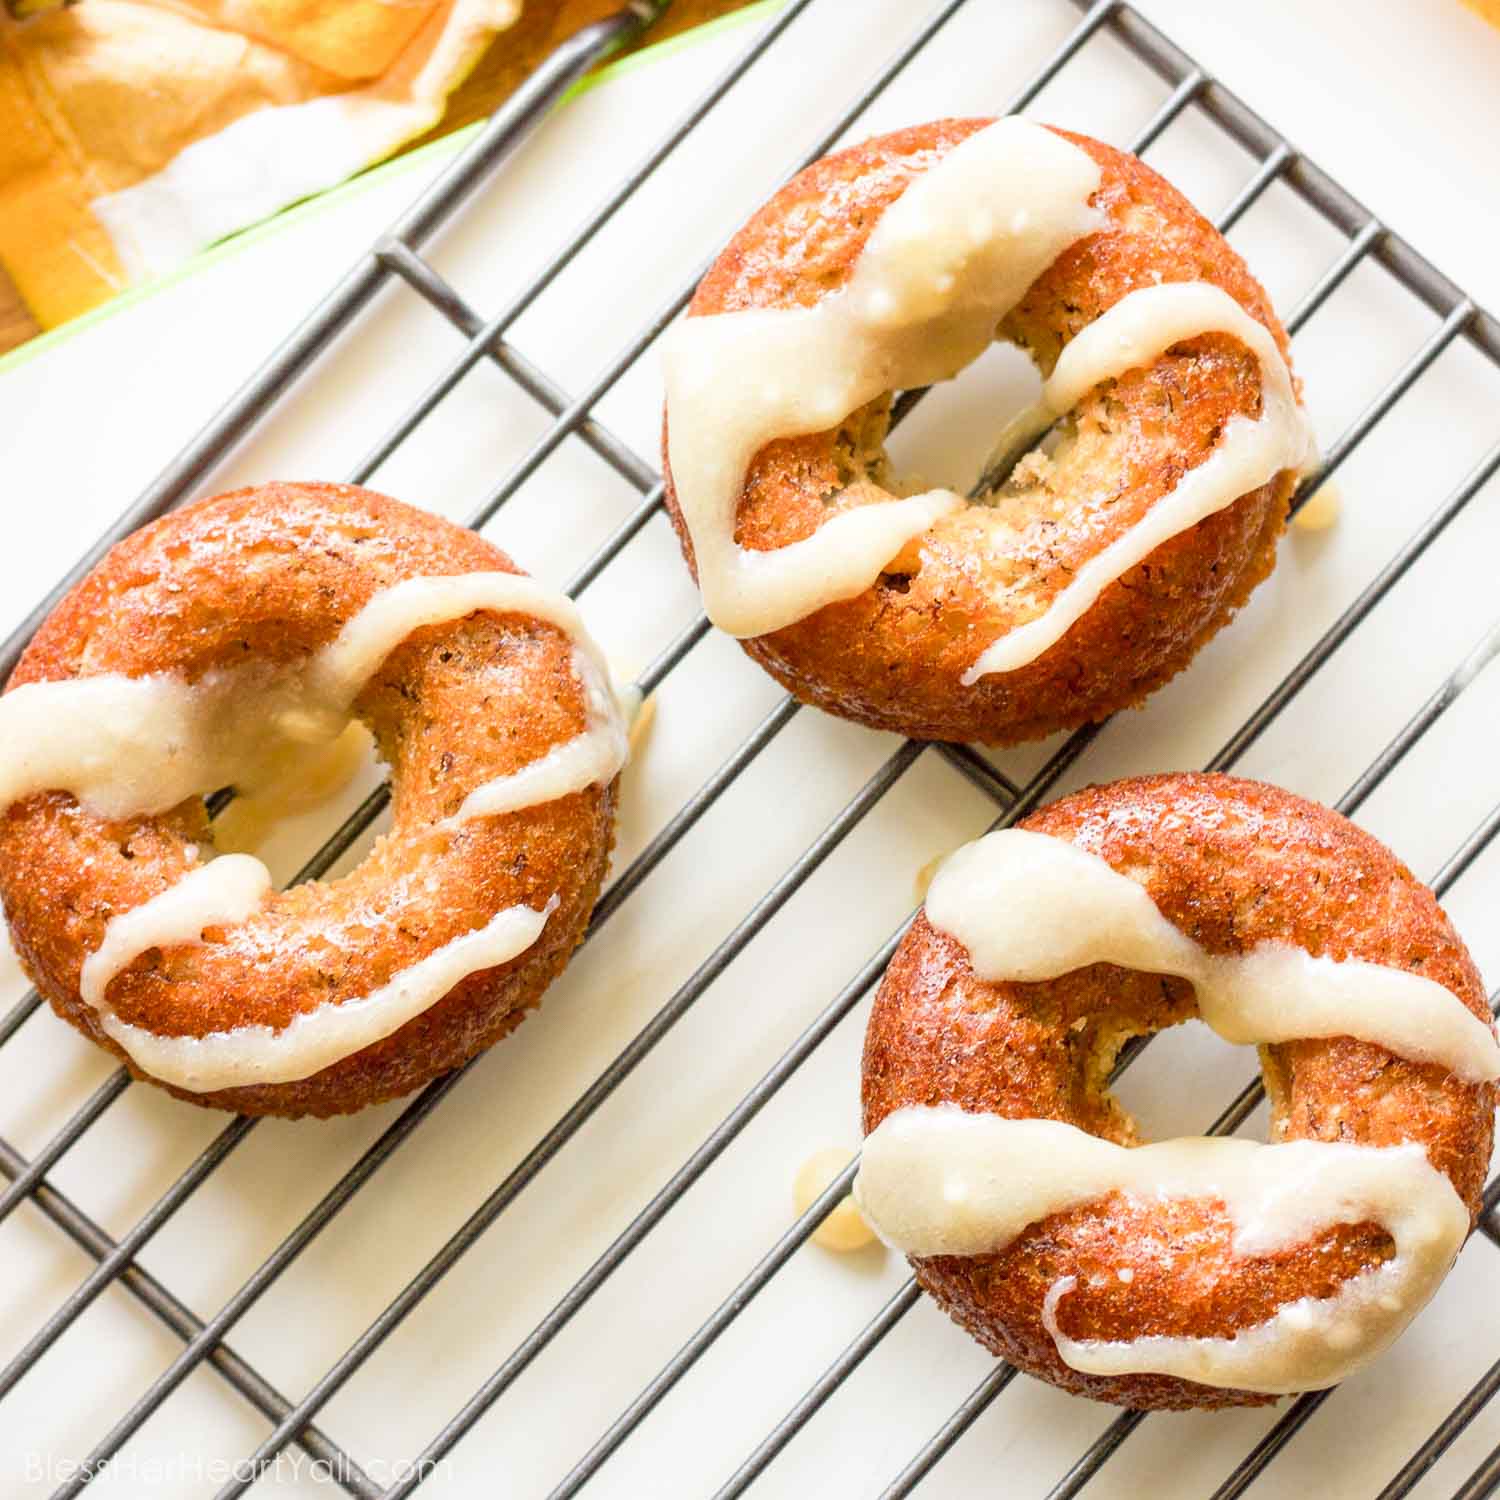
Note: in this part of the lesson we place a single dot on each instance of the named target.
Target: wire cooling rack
(1361, 241)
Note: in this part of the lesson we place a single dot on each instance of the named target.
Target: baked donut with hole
(1084, 573)
(199, 652)
(1202, 1273)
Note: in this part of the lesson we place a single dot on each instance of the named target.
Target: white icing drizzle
(938, 1181)
(227, 889)
(353, 657)
(588, 759)
(132, 746)
(121, 745)
(140, 745)
(1139, 327)
(314, 1039)
(1028, 906)
(948, 259)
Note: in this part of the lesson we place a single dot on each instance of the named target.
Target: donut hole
(859, 447)
(1105, 1010)
(1123, 1007)
(1027, 499)
(1029, 502)
(302, 769)
(1095, 1045)
(946, 439)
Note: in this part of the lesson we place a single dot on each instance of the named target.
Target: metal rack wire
(397, 255)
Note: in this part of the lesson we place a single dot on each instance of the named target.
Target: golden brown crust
(272, 573)
(1232, 863)
(893, 657)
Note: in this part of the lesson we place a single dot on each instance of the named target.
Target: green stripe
(309, 208)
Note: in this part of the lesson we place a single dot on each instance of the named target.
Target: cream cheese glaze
(948, 259)
(138, 746)
(127, 746)
(938, 1181)
(1028, 906)
(224, 890)
(314, 1039)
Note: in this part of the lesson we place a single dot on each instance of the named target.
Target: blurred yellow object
(133, 134)
(20, 9)
(1322, 508)
(844, 1229)
(1488, 9)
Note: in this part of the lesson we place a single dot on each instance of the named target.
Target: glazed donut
(200, 653)
(1081, 577)
(1197, 1273)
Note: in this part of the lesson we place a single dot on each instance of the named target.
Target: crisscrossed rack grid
(397, 255)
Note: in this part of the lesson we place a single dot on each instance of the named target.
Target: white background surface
(1401, 105)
